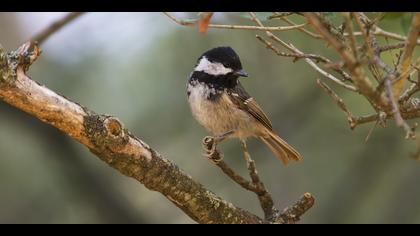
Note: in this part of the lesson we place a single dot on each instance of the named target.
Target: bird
(222, 106)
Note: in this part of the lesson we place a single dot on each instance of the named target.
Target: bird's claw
(209, 146)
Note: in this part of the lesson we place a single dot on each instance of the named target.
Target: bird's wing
(245, 102)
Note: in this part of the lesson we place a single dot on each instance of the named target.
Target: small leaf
(203, 21)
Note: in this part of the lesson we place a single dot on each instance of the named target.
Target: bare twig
(240, 27)
(264, 196)
(365, 24)
(371, 131)
(316, 36)
(280, 15)
(405, 62)
(340, 103)
(414, 88)
(54, 27)
(396, 111)
(380, 32)
(329, 26)
(391, 47)
(295, 55)
(410, 72)
(244, 183)
(350, 30)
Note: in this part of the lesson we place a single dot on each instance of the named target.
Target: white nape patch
(212, 68)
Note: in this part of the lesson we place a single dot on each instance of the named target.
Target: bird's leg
(210, 144)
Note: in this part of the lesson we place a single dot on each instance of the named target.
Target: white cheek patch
(212, 68)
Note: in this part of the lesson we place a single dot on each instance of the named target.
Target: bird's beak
(241, 73)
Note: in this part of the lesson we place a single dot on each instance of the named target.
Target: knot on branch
(22, 58)
(105, 131)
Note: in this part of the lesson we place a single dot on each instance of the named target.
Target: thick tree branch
(106, 137)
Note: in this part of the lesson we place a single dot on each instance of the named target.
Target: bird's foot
(209, 146)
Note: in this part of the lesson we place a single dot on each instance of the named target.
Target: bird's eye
(226, 65)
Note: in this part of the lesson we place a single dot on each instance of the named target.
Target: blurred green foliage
(45, 177)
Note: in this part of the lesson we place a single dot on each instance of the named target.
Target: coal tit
(221, 105)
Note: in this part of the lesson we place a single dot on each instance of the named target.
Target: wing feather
(244, 101)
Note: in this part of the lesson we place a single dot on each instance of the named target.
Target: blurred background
(135, 66)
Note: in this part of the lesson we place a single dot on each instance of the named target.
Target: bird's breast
(215, 111)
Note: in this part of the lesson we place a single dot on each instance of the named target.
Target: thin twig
(244, 183)
(266, 201)
(240, 27)
(295, 55)
(329, 26)
(54, 27)
(380, 32)
(339, 101)
(371, 131)
(350, 30)
(366, 119)
(407, 74)
(280, 15)
(316, 36)
(365, 24)
(396, 111)
(391, 47)
(414, 88)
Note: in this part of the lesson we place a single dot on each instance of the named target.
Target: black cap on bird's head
(219, 61)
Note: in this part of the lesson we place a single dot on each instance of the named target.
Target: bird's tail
(281, 148)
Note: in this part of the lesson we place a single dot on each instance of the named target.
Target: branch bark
(106, 137)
